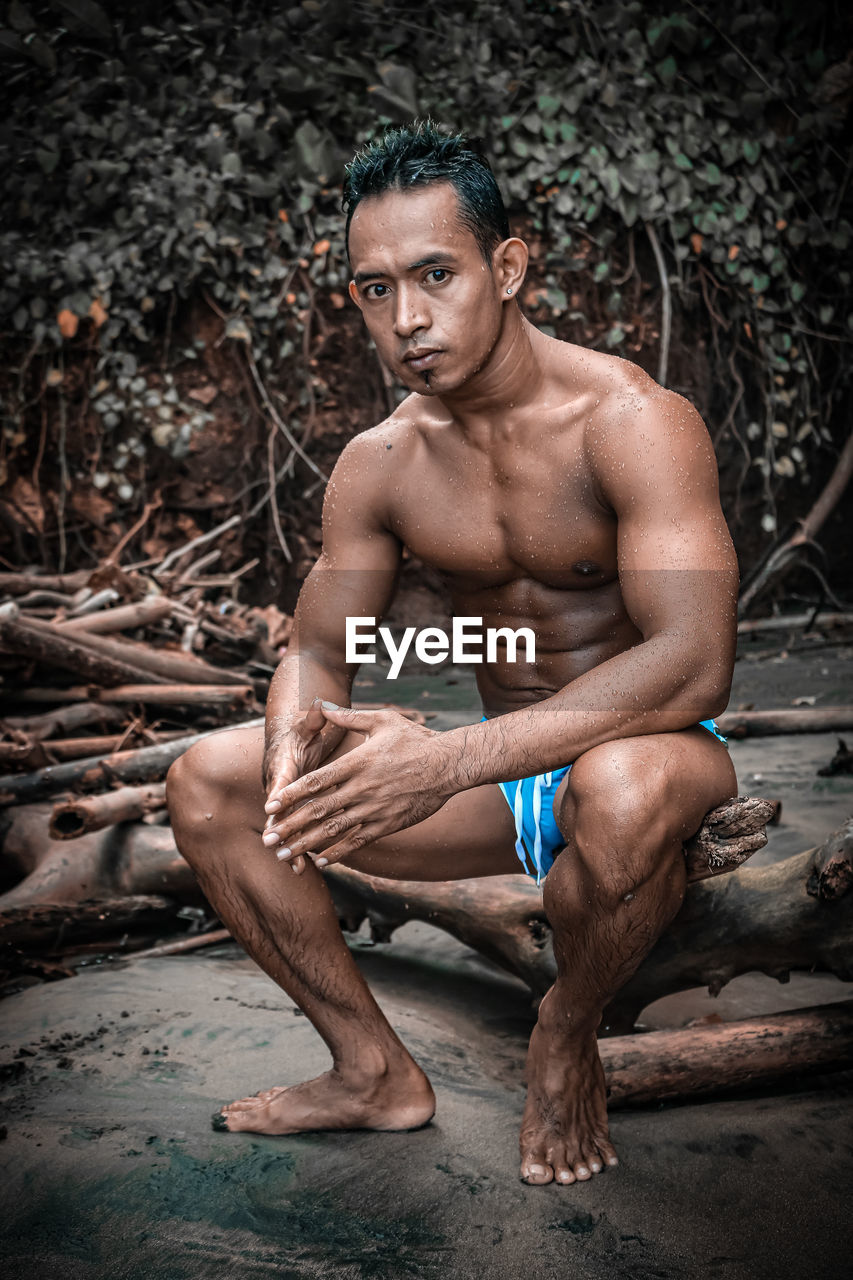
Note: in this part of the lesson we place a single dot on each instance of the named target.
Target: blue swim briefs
(531, 802)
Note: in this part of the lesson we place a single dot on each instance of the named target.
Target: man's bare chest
(521, 514)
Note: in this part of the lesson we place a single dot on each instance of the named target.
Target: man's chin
(422, 384)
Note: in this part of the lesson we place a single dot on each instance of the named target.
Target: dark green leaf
(19, 18)
(88, 14)
(548, 105)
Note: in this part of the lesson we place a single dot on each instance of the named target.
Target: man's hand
(399, 776)
(297, 751)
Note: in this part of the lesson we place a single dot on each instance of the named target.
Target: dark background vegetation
(177, 343)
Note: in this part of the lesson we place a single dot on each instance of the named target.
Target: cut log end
(729, 834)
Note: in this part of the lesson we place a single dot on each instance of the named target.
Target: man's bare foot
(403, 1100)
(564, 1134)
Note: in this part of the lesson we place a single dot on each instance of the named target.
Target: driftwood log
(765, 724)
(39, 642)
(74, 817)
(20, 582)
(126, 617)
(771, 919)
(697, 1060)
(122, 861)
(76, 715)
(97, 773)
(49, 927)
(163, 664)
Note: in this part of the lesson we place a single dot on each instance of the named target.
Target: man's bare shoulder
(391, 441)
(366, 476)
(626, 409)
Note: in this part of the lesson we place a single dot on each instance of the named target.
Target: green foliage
(158, 151)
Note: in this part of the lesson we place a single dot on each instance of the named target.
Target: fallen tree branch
(18, 584)
(44, 927)
(40, 642)
(763, 724)
(814, 620)
(59, 750)
(785, 554)
(185, 944)
(666, 305)
(729, 834)
(174, 557)
(661, 1065)
(72, 818)
(98, 773)
(753, 919)
(831, 875)
(152, 666)
(77, 715)
(125, 617)
(182, 695)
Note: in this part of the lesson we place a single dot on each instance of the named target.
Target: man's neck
(497, 397)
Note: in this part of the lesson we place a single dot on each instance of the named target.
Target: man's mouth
(421, 359)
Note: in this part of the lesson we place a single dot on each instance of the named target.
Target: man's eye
(438, 275)
(376, 290)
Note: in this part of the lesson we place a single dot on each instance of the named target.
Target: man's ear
(354, 294)
(509, 263)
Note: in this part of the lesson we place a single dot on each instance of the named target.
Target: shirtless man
(555, 488)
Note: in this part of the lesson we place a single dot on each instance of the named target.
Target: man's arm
(654, 465)
(355, 575)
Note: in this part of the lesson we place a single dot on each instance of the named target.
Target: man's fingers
(351, 843)
(316, 837)
(280, 782)
(349, 718)
(311, 813)
(314, 784)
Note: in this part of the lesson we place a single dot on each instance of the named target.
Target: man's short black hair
(423, 153)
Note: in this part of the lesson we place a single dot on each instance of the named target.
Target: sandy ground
(111, 1171)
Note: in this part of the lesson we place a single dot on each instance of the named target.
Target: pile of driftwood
(75, 685)
(91, 867)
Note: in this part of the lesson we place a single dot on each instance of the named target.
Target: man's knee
(205, 786)
(612, 790)
(616, 818)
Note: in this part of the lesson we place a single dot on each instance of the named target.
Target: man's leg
(625, 809)
(287, 923)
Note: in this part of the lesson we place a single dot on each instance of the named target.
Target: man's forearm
(300, 678)
(651, 688)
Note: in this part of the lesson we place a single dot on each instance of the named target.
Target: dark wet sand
(112, 1172)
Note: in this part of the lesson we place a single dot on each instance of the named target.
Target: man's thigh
(677, 777)
(473, 834)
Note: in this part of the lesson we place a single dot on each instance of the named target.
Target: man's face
(430, 301)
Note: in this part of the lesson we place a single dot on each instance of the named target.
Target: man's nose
(411, 312)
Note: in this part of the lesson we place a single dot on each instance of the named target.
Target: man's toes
(535, 1172)
(240, 1121)
(606, 1152)
(267, 1095)
(564, 1174)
